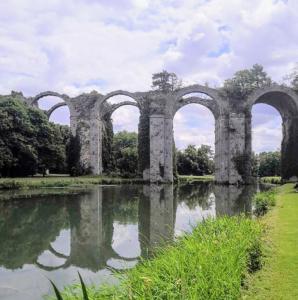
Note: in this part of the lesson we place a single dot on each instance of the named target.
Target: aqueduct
(157, 110)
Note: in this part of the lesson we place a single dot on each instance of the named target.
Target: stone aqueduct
(232, 128)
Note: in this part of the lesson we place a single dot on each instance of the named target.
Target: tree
(28, 141)
(73, 150)
(125, 153)
(293, 78)
(193, 161)
(165, 82)
(269, 164)
(246, 81)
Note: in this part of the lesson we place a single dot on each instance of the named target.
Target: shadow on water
(109, 227)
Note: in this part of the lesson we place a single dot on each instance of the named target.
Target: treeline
(29, 143)
(266, 164)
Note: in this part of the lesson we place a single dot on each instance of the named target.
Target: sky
(76, 46)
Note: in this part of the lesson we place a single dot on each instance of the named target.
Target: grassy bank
(279, 277)
(51, 182)
(210, 263)
(190, 178)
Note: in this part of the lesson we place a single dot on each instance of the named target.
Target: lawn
(278, 279)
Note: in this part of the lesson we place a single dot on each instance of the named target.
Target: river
(102, 229)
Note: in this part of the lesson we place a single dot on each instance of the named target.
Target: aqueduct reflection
(28, 229)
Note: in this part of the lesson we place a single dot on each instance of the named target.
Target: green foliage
(73, 150)
(125, 153)
(293, 78)
(246, 81)
(166, 82)
(210, 263)
(269, 164)
(263, 201)
(195, 161)
(107, 144)
(83, 288)
(241, 161)
(29, 143)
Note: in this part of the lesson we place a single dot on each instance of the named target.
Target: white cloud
(77, 46)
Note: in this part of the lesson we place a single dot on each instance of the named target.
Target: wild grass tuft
(263, 202)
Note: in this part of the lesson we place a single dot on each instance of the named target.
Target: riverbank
(62, 181)
(278, 279)
(82, 181)
(212, 262)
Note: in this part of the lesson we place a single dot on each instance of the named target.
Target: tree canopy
(293, 77)
(195, 161)
(166, 82)
(246, 81)
(29, 143)
(125, 153)
(267, 164)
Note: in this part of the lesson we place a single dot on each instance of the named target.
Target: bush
(263, 201)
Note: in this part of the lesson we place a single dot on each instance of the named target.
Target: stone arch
(53, 108)
(49, 93)
(282, 98)
(109, 110)
(214, 104)
(285, 101)
(197, 100)
(119, 93)
(209, 105)
(66, 102)
(102, 112)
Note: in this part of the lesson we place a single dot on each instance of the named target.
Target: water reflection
(109, 227)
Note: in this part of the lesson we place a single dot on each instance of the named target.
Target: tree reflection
(28, 228)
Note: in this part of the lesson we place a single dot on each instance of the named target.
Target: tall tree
(165, 82)
(246, 81)
(269, 164)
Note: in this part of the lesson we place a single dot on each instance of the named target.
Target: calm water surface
(107, 228)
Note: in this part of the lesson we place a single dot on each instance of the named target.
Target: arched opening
(266, 140)
(56, 109)
(198, 95)
(194, 127)
(274, 135)
(120, 135)
(58, 113)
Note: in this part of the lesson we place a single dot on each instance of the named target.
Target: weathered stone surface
(157, 110)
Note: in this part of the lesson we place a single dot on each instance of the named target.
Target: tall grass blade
(85, 294)
(57, 293)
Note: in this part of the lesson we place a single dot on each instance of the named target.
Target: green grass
(212, 262)
(191, 178)
(51, 182)
(279, 277)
